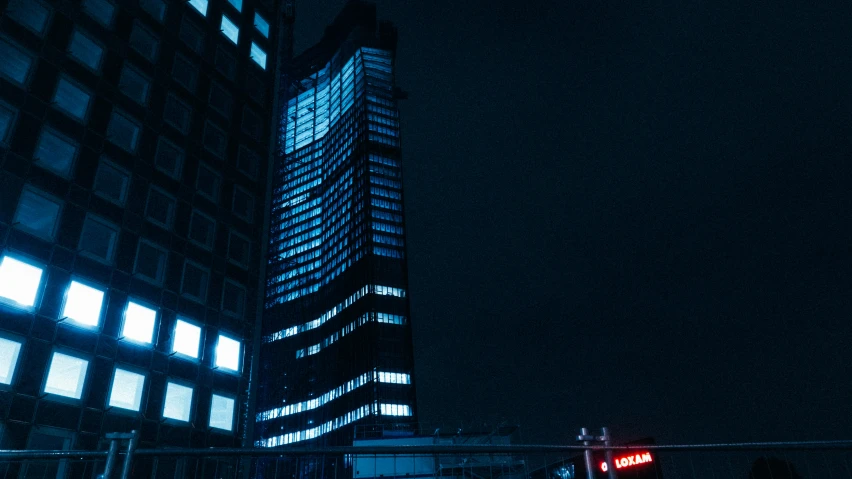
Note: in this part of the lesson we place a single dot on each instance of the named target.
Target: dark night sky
(634, 214)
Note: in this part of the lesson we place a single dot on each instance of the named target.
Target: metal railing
(770, 460)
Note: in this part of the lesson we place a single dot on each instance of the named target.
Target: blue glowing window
(258, 55)
(200, 6)
(16, 64)
(71, 99)
(103, 11)
(85, 50)
(37, 213)
(32, 14)
(261, 25)
(230, 29)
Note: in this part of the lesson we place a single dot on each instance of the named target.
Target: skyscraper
(134, 145)
(336, 349)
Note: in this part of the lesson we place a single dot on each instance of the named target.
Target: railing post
(112, 458)
(587, 453)
(128, 459)
(610, 466)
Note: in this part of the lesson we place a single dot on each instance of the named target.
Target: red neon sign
(629, 461)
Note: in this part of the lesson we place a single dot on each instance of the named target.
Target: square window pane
(243, 205)
(111, 182)
(123, 131)
(202, 229)
(208, 183)
(215, 140)
(169, 158)
(228, 353)
(160, 208)
(139, 323)
(220, 99)
(55, 152)
(177, 114)
(32, 14)
(233, 299)
(261, 24)
(200, 5)
(144, 42)
(178, 402)
(192, 35)
(195, 281)
(238, 4)
(155, 8)
(85, 50)
(101, 10)
(187, 338)
(230, 29)
(98, 239)
(238, 249)
(66, 376)
(247, 162)
(71, 99)
(150, 262)
(225, 63)
(9, 352)
(126, 391)
(185, 72)
(134, 84)
(258, 55)
(16, 63)
(83, 304)
(19, 281)
(37, 213)
(222, 412)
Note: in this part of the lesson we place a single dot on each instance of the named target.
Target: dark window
(247, 162)
(160, 208)
(239, 249)
(85, 50)
(184, 72)
(256, 89)
(112, 182)
(177, 113)
(226, 63)
(71, 99)
(202, 229)
(194, 284)
(16, 64)
(243, 204)
(150, 262)
(37, 213)
(169, 158)
(7, 121)
(134, 84)
(208, 183)
(103, 11)
(98, 239)
(192, 35)
(155, 8)
(233, 299)
(123, 131)
(215, 140)
(55, 152)
(220, 99)
(47, 439)
(32, 14)
(251, 123)
(144, 42)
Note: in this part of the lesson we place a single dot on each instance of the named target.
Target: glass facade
(131, 221)
(336, 305)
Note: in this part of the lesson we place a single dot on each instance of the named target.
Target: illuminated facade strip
(365, 318)
(369, 289)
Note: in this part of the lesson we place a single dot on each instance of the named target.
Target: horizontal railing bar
(8, 454)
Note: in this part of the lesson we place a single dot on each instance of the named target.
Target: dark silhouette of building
(336, 347)
(135, 138)
(773, 468)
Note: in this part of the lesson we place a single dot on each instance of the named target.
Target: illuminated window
(139, 323)
(85, 50)
(32, 14)
(123, 131)
(126, 390)
(9, 352)
(186, 339)
(261, 25)
(395, 410)
(19, 281)
(83, 304)
(238, 4)
(16, 63)
(200, 5)
(230, 29)
(37, 213)
(101, 10)
(55, 152)
(222, 413)
(169, 158)
(178, 404)
(66, 376)
(71, 99)
(228, 353)
(134, 84)
(258, 55)
(98, 239)
(150, 262)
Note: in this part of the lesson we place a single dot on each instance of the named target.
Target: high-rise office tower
(134, 149)
(336, 348)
